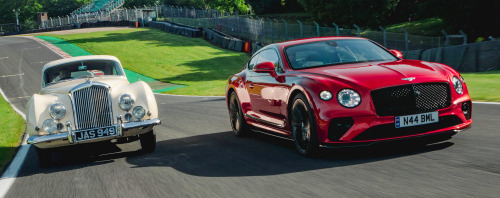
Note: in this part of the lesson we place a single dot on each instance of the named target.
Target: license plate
(416, 119)
(96, 133)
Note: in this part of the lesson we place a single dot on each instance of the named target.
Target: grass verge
(167, 57)
(483, 86)
(424, 27)
(11, 130)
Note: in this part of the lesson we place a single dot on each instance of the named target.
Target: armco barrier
(475, 57)
(223, 40)
(176, 28)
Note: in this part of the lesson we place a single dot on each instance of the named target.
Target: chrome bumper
(70, 136)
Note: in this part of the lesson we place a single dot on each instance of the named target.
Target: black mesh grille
(411, 99)
(389, 130)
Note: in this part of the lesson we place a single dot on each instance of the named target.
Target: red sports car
(345, 91)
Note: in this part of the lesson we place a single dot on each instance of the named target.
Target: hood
(65, 87)
(373, 75)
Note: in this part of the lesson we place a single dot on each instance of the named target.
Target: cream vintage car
(89, 99)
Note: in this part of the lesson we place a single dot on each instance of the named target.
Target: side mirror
(397, 53)
(265, 67)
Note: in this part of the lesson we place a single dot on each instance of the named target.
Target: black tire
(238, 123)
(303, 126)
(44, 157)
(148, 141)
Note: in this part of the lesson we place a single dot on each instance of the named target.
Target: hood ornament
(409, 79)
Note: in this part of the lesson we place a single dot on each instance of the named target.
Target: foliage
(221, 5)
(475, 18)
(369, 13)
(28, 9)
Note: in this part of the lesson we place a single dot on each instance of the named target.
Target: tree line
(475, 17)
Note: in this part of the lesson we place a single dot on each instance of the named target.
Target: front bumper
(124, 130)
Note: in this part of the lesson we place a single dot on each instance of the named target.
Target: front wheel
(238, 124)
(303, 126)
(148, 141)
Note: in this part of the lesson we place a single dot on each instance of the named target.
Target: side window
(270, 56)
(253, 62)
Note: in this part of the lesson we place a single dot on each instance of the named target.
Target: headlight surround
(139, 112)
(57, 111)
(325, 95)
(49, 125)
(457, 84)
(463, 80)
(348, 98)
(126, 102)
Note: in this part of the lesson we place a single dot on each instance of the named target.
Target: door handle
(250, 85)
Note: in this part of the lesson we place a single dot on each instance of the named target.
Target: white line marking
(4, 58)
(478, 102)
(12, 75)
(15, 98)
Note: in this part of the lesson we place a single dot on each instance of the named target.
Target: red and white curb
(52, 47)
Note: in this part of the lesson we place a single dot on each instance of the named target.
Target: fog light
(49, 125)
(60, 126)
(138, 112)
(467, 110)
(338, 127)
(128, 117)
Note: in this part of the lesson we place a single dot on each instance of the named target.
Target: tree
(371, 13)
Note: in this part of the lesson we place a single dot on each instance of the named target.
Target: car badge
(408, 79)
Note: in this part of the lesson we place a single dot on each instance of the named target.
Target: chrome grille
(411, 99)
(92, 107)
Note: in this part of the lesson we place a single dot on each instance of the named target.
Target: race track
(198, 156)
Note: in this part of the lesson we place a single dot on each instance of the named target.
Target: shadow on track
(223, 155)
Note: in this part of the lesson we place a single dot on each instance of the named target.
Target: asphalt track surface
(198, 156)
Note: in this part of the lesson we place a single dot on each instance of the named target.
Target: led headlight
(325, 95)
(348, 98)
(462, 78)
(49, 125)
(126, 102)
(57, 111)
(457, 84)
(138, 112)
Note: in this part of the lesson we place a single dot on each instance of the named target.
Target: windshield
(333, 52)
(81, 69)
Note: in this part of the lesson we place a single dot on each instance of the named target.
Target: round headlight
(325, 95)
(57, 111)
(49, 125)
(126, 102)
(348, 98)
(138, 112)
(457, 84)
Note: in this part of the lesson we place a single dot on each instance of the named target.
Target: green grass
(424, 27)
(11, 130)
(167, 57)
(483, 86)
